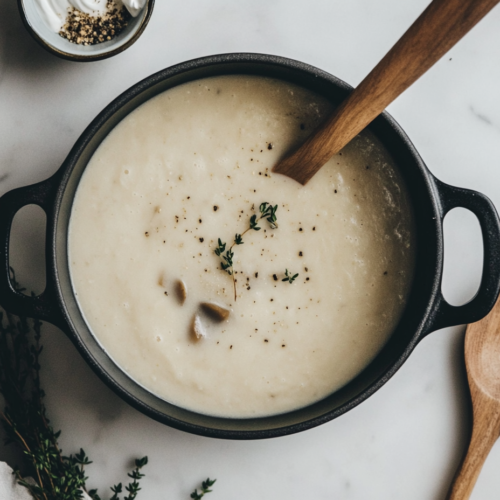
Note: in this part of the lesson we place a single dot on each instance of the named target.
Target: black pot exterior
(426, 310)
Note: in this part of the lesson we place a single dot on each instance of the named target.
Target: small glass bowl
(61, 47)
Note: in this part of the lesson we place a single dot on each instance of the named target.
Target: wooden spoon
(482, 360)
(439, 27)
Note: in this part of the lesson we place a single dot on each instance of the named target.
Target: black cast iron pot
(425, 312)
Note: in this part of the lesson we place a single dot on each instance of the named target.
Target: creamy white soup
(304, 307)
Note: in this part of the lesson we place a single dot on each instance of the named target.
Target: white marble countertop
(406, 440)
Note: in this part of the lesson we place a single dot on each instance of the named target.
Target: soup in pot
(220, 286)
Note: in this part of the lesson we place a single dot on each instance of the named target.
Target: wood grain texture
(439, 27)
(482, 360)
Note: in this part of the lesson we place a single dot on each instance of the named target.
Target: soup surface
(192, 166)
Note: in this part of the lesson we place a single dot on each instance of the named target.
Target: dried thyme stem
(234, 287)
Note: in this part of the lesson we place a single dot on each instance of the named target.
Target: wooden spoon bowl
(482, 360)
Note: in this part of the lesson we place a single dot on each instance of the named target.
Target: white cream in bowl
(193, 165)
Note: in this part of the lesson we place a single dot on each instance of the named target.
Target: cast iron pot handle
(448, 315)
(43, 306)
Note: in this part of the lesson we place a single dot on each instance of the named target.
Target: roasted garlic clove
(197, 328)
(215, 311)
(181, 291)
(162, 280)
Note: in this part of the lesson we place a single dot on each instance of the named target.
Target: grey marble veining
(405, 441)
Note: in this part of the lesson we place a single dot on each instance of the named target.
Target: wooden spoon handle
(439, 27)
(485, 432)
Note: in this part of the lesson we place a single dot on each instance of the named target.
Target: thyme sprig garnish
(289, 277)
(205, 488)
(266, 211)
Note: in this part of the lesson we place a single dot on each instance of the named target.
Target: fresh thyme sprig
(288, 276)
(205, 488)
(266, 211)
(133, 486)
(56, 477)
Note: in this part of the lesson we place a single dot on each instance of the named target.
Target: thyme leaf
(220, 248)
(269, 212)
(253, 223)
(289, 277)
(205, 488)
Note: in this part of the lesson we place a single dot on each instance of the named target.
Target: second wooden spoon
(482, 360)
(439, 27)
